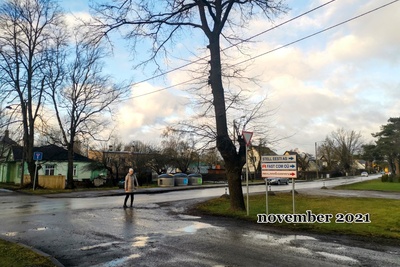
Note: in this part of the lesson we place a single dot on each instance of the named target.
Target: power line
(318, 32)
(234, 45)
(270, 51)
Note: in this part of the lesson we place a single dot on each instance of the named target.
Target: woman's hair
(130, 169)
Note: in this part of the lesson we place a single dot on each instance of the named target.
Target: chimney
(6, 133)
(110, 148)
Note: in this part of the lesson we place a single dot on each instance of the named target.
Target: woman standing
(131, 183)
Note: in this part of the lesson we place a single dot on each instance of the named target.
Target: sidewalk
(120, 192)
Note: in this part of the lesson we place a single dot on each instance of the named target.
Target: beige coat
(131, 183)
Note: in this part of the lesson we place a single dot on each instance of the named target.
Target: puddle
(283, 240)
(99, 245)
(118, 262)
(188, 217)
(140, 242)
(195, 226)
(337, 257)
(11, 234)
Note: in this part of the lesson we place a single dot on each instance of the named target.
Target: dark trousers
(126, 198)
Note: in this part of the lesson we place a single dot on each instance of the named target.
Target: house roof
(290, 153)
(50, 153)
(7, 140)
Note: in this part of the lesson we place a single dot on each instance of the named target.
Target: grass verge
(375, 184)
(18, 256)
(383, 213)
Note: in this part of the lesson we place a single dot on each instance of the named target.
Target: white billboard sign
(279, 166)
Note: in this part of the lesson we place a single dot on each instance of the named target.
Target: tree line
(386, 149)
(174, 154)
(35, 68)
(50, 71)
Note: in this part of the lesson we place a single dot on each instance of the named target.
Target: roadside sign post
(36, 156)
(293, 195)
(279, 166)
(266, 196)
(247, 138)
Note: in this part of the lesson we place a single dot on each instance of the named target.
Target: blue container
(181, 179)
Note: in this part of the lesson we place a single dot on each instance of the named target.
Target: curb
(154, 190)
(35, 250)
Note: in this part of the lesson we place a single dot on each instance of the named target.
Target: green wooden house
(54, 162)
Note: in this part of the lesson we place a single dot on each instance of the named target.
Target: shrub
(385, 178)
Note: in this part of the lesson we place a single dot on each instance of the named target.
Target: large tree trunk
(28, 140)
(234, 173)
(234, 161)
(70, 171)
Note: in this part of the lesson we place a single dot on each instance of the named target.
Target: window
(49, 169)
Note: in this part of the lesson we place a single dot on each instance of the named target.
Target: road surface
(157, 231)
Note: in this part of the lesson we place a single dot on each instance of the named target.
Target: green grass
(383, 213)
(14, 255)
(376, 184)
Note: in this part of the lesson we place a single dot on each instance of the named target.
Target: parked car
(364, 174)
(278, 181)
(121, 184)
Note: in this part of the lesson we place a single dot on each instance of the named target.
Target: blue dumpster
(181, 179)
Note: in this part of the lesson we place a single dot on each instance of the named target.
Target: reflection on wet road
(157, 232)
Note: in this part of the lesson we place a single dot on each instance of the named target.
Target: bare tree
(84, 98)
(180, 150)
(344, 145)
(29, 28)
(215, 19)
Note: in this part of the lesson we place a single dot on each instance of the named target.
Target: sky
(345, 77)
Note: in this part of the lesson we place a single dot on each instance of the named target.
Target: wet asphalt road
(97, 231)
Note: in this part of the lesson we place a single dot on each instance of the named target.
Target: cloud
(346, 77)
(348, 80)
(143, 117)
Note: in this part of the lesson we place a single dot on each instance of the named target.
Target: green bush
(385, 178)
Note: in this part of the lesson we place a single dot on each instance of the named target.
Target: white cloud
(346, 77)
(347, 81)
(143, 117)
